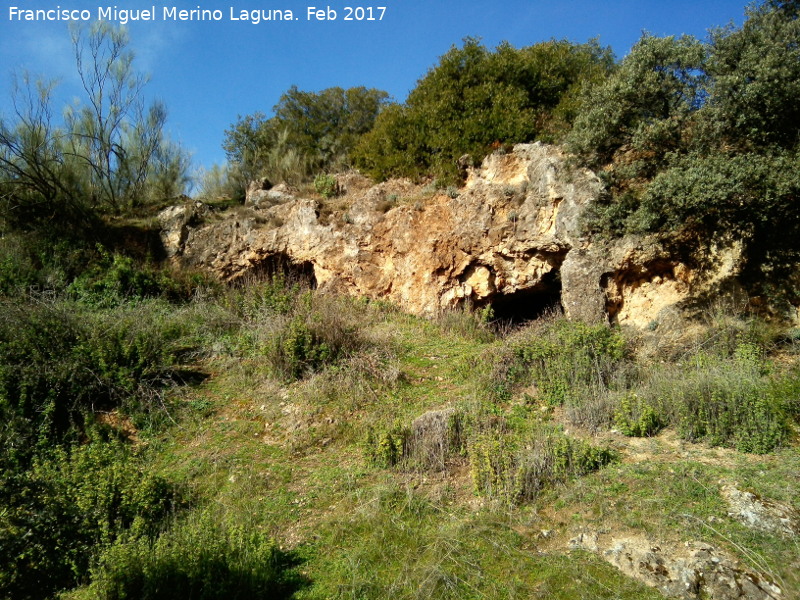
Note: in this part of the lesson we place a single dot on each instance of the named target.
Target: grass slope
(300, 459)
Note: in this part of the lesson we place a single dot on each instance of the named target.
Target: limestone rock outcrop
(692, 571)
(760, 513)
(176, 222)
(512, 237)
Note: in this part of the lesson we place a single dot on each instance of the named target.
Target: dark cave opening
(282, 266)
(530, 304)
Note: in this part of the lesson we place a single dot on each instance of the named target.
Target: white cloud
(152, 41)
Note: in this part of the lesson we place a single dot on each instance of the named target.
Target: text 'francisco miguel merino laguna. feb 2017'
(123, 16)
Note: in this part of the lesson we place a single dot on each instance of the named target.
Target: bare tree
(107, 156)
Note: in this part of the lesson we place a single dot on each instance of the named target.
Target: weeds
(725, 398)
(315, 336)
(518, 469)
(322, 423)
(73, 503)
(568, 360)
(198, 557)
(636, 418)
(60, 364)
(326, 185)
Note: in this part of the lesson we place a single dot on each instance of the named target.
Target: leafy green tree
(325, 125)
(309, 132)
(246, 144)
(644, 107)
(755, 77)
(475, 97)
(704, 137)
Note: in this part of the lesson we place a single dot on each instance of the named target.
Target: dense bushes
(517, 467)
(60, 364)
(290, 330)
(732, 400)
(704, 136)
(76, 380)
(476, 97)
(68, 506)
(113, 279)
(722, 390)
(565, 358)
(309, 132)
(200, 557)
(472, 99)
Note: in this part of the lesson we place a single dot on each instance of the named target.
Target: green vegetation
(108, 156)
(166, 436)
(636, 418)
(309, 132)
(564, 359)
(475, 98)
(201, 557)
(70, 505)
(328, 424)
(326, 185)
(702, 137)
(516, 468)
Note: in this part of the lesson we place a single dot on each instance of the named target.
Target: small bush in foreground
(565, 358)
(58, 515)
(385, 448)
(326, 186)
(318, 334)
(517, 470)
(201, 558)
(60, 363)
(635, 418)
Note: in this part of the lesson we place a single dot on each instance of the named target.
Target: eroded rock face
(176, 223)
(512, 237)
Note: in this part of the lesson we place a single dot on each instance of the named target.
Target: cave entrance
(530, 304)
(282, 266)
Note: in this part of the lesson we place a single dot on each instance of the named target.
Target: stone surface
(693, 571)
(261, 194)
(176, 221)
(760, 513)
(512, 234)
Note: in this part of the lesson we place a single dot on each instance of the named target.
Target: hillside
(265, 439)
(531, 333)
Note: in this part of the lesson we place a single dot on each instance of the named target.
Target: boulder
(176, 222)
(261, 194)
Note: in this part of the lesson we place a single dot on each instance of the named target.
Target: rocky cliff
(511, 237)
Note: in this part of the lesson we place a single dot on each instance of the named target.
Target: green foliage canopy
(704, 136)
(309, 132)
(476, 97)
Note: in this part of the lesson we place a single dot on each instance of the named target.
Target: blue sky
(209, 72)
